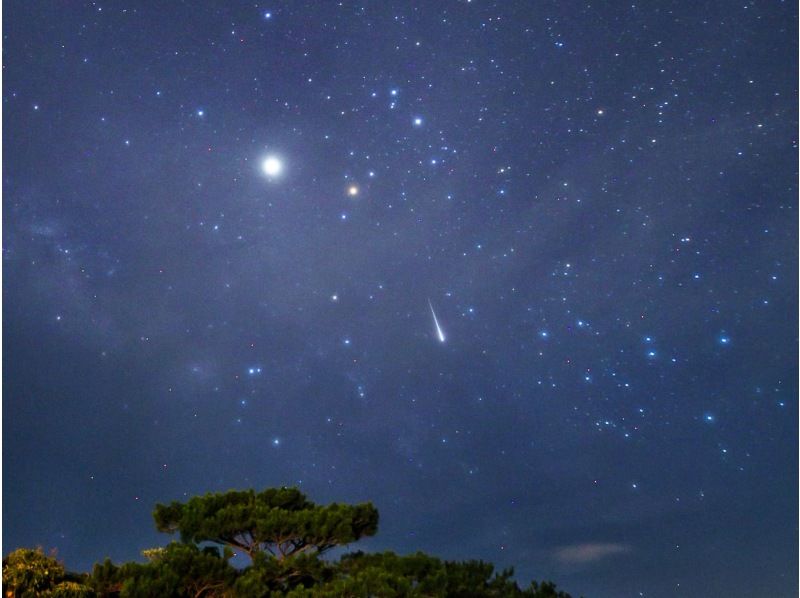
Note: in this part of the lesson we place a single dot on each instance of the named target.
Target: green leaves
(179, 570)
(389, 575)
(280, 521)
(285, 536)
(29, 572)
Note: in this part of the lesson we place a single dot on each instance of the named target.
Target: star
(272, 166)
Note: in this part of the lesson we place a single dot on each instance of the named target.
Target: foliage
(29, 572)
(269, 576)
(419, 575)
(152, 554)
(280, 521)
(285, 535)
(106, 578)
(176, 570)
(70, 589)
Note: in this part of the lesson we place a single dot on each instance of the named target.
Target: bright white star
(272, 166)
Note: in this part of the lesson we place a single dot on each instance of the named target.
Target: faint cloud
(589, 552)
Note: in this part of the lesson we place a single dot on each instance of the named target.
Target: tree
(180, 570)
(270, 577)
(285, 536)
(29, 572)
(419, 575)
(279, 521)
(106, 578)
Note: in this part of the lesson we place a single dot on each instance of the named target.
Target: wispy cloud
(589, 552)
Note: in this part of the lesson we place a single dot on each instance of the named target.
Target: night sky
(523, 274)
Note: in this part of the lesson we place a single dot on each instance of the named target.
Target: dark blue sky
(599, 202)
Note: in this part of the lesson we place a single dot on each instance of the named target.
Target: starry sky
(522, 273)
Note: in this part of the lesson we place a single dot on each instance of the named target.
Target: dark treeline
(285, 536)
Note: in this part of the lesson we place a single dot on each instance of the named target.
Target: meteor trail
(439, 332)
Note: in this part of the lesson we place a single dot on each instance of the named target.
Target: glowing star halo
(272, 166)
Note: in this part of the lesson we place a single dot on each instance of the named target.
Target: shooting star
(439, 332)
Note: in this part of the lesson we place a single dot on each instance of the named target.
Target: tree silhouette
(284, 535)
(278, 521)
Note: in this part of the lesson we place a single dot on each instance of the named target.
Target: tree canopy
(176, 570)
(29, 573)
(280, 521)
(285, 536)
(419, 575)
